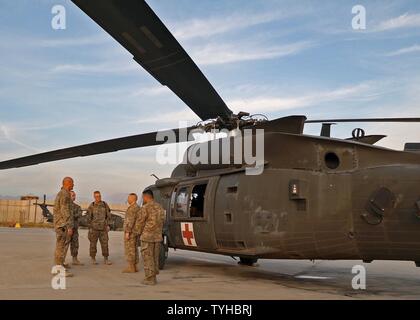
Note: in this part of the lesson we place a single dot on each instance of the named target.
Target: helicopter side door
(192, 214)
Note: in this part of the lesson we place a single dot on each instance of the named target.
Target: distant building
(29, 197)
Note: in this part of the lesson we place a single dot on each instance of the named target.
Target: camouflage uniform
(131, 245)
(149, 226)
(63, 220)
(99, 218)
(74, 244)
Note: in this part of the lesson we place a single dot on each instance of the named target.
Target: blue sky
(66, 87)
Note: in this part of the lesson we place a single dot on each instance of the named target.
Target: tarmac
(27, 258)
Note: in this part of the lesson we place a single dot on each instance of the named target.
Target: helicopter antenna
(153, 175)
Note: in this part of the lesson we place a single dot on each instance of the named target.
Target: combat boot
(130, 269)
(107, 262)
(57, 269)
(93, 260)
(76, 262)
(149, 281)
(63, 271)
(66, 265)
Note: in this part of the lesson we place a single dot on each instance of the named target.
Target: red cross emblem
(187, 232)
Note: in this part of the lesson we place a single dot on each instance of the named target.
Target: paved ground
(26, 261)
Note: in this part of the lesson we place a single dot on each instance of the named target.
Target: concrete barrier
(22, 211)
(26, 211)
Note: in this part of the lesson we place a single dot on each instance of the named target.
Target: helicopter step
(247, 261)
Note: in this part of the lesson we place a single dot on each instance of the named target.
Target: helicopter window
(331, 160)
(233, 189)
(197, 201)
(181, 205)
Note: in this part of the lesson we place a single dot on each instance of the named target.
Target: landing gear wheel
(247, 261)
(163, 253)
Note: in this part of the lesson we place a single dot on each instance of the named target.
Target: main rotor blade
(290, 124)
(367, 120)
(136, 27)
(372, 139)
(136, 141)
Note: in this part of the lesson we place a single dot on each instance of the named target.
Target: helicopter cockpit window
(181, 204)
(197, 201)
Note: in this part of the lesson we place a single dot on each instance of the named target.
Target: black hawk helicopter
(317, 198)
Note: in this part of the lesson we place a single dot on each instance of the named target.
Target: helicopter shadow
(313, 278)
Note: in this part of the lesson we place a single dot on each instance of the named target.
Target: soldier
(149, 226)
(74, 243)
(99, 218)
(130, 237)
(63, 222)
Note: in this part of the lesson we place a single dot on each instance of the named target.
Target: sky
(60, 88)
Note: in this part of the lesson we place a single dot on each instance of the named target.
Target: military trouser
(62, 245)
(150, 253)
(74, 243)
(102, 236)
(131, 249)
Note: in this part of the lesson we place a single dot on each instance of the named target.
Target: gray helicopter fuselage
(317, 198)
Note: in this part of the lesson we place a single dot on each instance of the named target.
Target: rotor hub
(234, 122)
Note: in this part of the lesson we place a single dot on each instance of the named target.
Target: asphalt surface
(26, 262)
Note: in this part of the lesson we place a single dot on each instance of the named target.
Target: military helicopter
(318, 197)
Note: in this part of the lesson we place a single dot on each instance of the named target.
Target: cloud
(366, 91)
(18, 132)
(407, 50)
(202, 28)
(22, 127)
(214, 53)
(92, 40)
(20, 41)
(175, 118)
(404, 21)
(209, 54)
(105, 67)
(152, 91)
(363, 91)
(8, 134)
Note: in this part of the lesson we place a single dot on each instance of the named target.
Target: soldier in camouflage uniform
(130, 237)
(63, 222)
(149, 226)
(74, 243)
(99, 218)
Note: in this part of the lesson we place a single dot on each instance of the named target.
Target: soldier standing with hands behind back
(149, 226)
(99, 218)
(74, 243)
(63, 222)
(130, 237)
